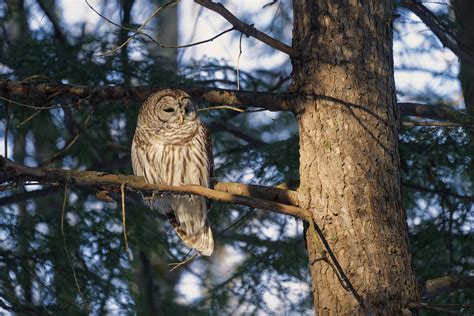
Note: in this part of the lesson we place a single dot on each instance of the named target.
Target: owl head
(167, 107)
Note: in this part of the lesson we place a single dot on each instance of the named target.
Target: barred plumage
(172, 146)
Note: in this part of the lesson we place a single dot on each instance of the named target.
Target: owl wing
(137, 154)
(190, 212)
(146, 168)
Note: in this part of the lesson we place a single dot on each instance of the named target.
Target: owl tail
(202, 241)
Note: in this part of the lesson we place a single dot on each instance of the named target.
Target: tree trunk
(349, 161)
(167, 34)
(463, 10)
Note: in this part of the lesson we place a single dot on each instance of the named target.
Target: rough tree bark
(465, 36)
(349, 156)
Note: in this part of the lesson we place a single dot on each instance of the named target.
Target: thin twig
(179, 264)
(157, 10)
(118, 147)
(270, 4)
(449, 192)
(218, 107)
(28, 195)
(31, 106)
(345, 282)
(40, 78)
(139, 32)
(122, 192)
(29, 118)
(71, 142)
(63, 235)
(237, 222)
(193, 33)
(238, 61)
(7, 125)
(200, 42)
(434, 307)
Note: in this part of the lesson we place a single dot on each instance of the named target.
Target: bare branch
(248, 30)
(448, 284)
(11, 172)
(432, 22)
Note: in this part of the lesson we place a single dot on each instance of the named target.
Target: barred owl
(172, 146)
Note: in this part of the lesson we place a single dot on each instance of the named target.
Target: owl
(172, 146)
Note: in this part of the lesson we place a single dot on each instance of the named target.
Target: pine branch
(448, 284)
(249, 195)
(434, 112)
(415, 187)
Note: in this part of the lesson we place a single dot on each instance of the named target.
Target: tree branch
(217, 126)
(433, 24)
(439, 308)
(266, 100)
(433, 111)
(48, 10)
(448, 284)
(249, 195)
(248, 30)
(15, 198)
(236, 98)
(438, 192)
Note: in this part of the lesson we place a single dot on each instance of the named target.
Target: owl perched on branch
(172, 146)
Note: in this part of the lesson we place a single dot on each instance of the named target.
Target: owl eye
(169, 110)
(187, 110)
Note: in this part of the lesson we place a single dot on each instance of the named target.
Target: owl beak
(181, 119)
